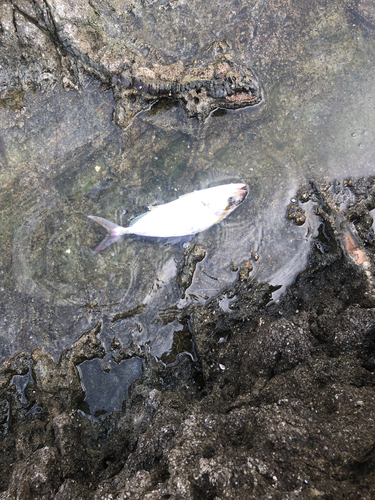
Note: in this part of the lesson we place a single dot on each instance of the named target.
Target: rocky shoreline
(257, 399)
(277, 403)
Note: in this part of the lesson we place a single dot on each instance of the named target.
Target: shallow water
(62, 159)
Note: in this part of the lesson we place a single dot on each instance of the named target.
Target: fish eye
(231, 200)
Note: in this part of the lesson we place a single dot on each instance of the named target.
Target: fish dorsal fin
(137, 219)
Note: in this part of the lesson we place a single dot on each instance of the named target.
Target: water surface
(62, 159)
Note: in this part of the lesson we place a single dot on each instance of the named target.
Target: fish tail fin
(115, 232)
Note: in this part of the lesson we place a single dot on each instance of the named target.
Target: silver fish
(189, 214)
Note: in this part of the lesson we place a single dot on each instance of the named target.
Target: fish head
(226, 198)
(238, 195)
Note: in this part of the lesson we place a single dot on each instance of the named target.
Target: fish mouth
(242, 191)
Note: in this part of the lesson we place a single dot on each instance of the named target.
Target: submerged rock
(192, 255)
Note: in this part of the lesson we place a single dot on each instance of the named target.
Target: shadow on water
(62, 159)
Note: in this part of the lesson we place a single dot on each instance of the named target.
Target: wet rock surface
(200, 88)
(56, 42)
(278, 402)
(268, 400)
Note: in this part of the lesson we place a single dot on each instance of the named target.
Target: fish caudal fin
(115, 232)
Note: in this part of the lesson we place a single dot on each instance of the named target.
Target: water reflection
(107, 388)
